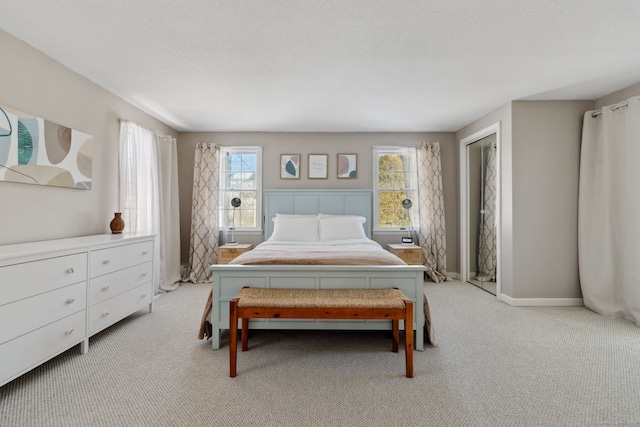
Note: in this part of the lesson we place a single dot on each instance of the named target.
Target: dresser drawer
(27, 351)
(23, 280)
(105, 261)
(112, 284)
(28, 314)
(410, 256)
(228, 253)
(114, 309)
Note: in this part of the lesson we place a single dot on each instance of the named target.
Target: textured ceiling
(335, 65)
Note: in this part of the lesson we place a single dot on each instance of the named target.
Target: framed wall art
(290, 166)
(347, 166)
(318, 166)
(36, 151)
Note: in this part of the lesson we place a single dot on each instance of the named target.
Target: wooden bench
(253, 303)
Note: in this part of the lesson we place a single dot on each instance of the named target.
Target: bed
(334, 258)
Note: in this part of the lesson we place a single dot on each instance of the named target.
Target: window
(395, 179)
(241, 176)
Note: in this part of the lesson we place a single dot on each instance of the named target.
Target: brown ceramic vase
(117, 223)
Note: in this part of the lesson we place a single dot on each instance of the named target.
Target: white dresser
(55, 294)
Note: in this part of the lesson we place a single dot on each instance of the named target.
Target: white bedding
(334, 252)
(331, 245)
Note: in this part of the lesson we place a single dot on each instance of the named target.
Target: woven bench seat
(390, 304)
(319, 298)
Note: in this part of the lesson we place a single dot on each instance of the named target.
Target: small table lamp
(235, 202)
(406, 204)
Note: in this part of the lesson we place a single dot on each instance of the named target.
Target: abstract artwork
(36, 151)
(318, 166)
(290, 166)
(347, 166)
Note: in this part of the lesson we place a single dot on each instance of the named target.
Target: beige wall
(540, 155)
(33, 83)
(546, 162)
(275, 144)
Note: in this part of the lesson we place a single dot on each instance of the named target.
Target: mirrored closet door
(480, 201)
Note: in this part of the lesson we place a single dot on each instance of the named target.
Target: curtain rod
(613, 108)
(203, 144)
(139, 125)
(153, 131)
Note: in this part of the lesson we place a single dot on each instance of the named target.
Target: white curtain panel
(432, 224)
(203, 249)
(609, 211)
(169, 226)
(139, 184)
(487, 238)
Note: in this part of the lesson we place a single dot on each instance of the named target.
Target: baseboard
(542, 302)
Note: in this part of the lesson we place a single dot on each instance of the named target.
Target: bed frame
(229, 279)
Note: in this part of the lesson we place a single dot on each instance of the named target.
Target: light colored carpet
(495, 365)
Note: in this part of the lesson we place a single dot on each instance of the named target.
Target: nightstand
(411, 254)
(228, 252)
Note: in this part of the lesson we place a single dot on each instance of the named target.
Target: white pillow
(292, 229)
(341, 227)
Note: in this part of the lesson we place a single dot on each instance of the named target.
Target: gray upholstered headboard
(334, 202)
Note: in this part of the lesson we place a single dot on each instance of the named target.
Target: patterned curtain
(432, 226)
(487, 242)
(203, 250)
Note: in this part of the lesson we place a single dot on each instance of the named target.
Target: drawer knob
(145, 252)
(105, 288)
(68, 331)
(144, 295)
(105, 314)
(70, 270)
(144, 274)
(106, 261)
(70, 300)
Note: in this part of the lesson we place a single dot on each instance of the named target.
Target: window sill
(394, 232)
(243, 232)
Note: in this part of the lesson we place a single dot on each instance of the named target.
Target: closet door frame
(464, 214)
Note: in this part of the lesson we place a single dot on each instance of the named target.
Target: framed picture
(318, 166)
(289, 166)
(34, 150)
(347, 166)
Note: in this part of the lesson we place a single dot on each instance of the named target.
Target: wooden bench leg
(233, 336)
(245, 334)
(408, 337)
(395, 323)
